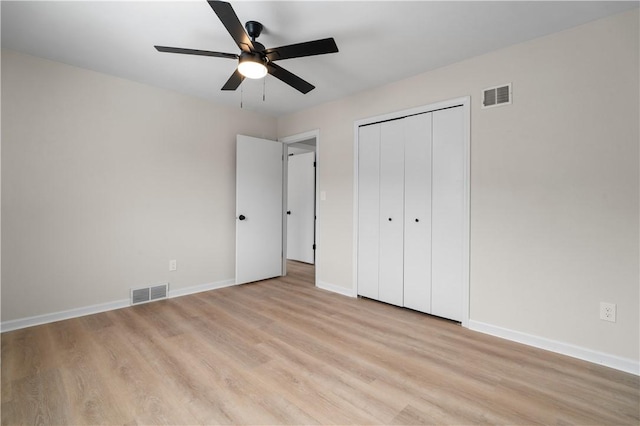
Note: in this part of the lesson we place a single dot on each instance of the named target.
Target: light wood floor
(283, 352)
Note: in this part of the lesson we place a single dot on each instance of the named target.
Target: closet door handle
(417, 220)
(289, 212)
(389, 219)
(242, 217)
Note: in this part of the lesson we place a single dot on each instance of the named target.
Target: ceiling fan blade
(289, 78)
(196, 52)
(234, 81)
(309, 48)
(231, 22)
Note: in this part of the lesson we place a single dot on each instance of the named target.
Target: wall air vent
(496, 96)
(158, 292)
(149, 294)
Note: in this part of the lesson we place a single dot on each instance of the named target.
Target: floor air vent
(496, 96)
(149, 294)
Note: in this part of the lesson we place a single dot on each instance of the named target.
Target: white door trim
(299, 137)
(465, 102)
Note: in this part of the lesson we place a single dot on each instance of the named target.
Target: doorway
(301, 182)
(301, 202)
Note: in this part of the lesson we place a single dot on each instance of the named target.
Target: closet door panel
(417, 215)
(447, 213)
(391, 212)
(368, 210)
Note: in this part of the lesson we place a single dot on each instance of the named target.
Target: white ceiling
(379, 41)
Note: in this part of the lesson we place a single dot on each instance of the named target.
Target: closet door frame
(465, 103)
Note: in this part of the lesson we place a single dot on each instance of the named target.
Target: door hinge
(314, 246)
(314, 164)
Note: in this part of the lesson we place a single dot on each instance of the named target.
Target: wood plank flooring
(283, 352)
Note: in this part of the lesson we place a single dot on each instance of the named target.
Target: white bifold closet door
(411, 213)
(368, 210)
(391, 267)
(447, 213)
(417, 212)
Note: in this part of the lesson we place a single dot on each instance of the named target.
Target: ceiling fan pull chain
(241, 96)
(263, 87)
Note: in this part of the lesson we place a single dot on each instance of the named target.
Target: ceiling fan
(254, 60)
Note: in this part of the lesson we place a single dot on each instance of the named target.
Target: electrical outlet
(608, 311)
(173, 265)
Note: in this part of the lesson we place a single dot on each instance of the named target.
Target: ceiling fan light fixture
(251, 65)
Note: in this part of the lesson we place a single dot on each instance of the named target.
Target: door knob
(242, 217)
(389, 219)
(289, 212)
(417, 220)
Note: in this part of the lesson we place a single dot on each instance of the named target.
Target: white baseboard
(200, 288)
(608, 360)
(103, 307)
(336, 289)
(62, 315)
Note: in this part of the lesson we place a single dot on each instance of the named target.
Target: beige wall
(105, 180)
(554, 181)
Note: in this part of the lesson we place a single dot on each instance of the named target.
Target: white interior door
(301, 207)
(391, 223)
(259, 168)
